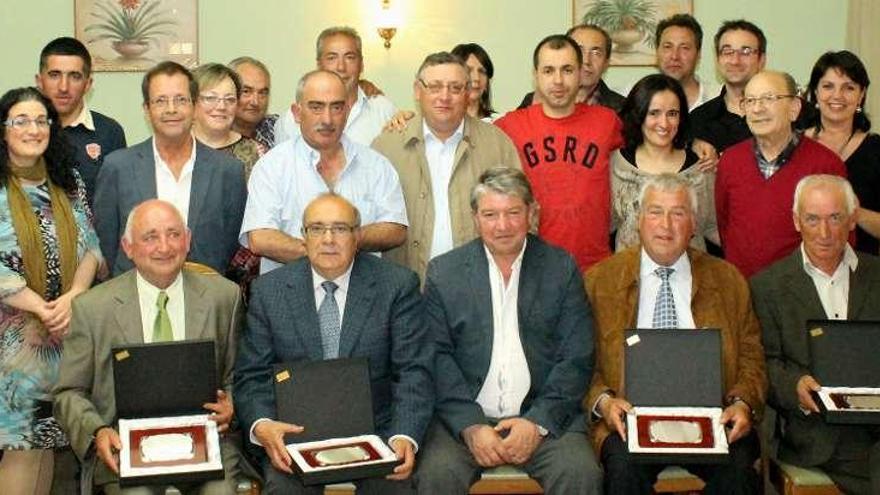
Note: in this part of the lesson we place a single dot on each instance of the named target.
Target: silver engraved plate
(167, 447)
(342, 455)
(863, 401)
(670, 431)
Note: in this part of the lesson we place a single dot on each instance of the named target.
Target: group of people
(486, 267)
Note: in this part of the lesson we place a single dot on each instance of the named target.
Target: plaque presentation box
(673, 380)
(167, 437)
(843, 359)
(332, 401)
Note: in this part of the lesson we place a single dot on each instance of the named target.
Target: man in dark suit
(337, 303)
(123, 311)
(823, 278)
(206, 186)
(663, 284)
(514, 345)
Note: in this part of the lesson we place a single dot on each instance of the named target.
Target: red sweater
(753, 213)
(566, 161)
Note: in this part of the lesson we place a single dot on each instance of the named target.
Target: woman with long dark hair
(655, 131)
(838, 87)
(481, 71)
(48, 255)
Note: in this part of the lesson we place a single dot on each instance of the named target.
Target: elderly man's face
(329, 252)
(502, 222)
(773, 109)
(322, 111)
(254, 100)
(824, 225)
(666, 224)
(596, 59)
(339, 54)
(159, 242)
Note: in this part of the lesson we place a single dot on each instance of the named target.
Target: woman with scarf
(48, 255)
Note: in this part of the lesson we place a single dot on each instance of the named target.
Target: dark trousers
(855, 464)
(736, 476)
(284, 484)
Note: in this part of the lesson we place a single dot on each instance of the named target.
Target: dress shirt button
(423, 195)
(416, 243)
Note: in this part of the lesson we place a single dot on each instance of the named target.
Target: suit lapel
(859, 289)
(533, 259)
(477, 266)
(196, 310)
(302, 313)
(799, 286)
(201, 180)
(128, 311)
(144, 171)
(358, 306)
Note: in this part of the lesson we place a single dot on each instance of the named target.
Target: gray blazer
(556, 330)
(109, 315)
(382, 321)
(216, 204)
(785, 297)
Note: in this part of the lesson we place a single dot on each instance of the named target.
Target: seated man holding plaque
(664, 284)
(822, 279)
(336, 303)
(514, 343)
(157, 301)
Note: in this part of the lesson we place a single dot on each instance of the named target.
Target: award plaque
(167, 437)
(332, 400)
(843, 359)
(168, 450)
(673, 380)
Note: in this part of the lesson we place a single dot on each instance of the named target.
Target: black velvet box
(845, 362)
(167, 437)
(673, 380)
(332, 401)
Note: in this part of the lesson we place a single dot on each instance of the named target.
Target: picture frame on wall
(630, 24)
(134, 35)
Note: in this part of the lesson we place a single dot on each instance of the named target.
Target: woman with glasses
(219, 89)
(48, 255)
(655, 125)
(838, 86)
(481, 71)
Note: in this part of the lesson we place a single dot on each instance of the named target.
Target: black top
(863, 171)
(607, 98)
(690, 158)
(91, 147)
(713, 123)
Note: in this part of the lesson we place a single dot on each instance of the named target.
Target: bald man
(322, 159)
(754, 212)
(123, 311)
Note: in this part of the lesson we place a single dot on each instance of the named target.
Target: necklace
(845, 143)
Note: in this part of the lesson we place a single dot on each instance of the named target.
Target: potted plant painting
(131, 26)
(628, 22)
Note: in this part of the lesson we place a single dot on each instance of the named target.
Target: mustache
(325, 128)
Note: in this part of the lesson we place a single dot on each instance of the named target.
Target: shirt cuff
(595, 410)
(407, 438)
(253, 438)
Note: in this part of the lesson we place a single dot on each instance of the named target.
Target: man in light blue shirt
(321, 160)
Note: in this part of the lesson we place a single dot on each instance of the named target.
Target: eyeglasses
(163, 101)
(317, 230)
(21, 122)
(435, 87)
(766, 100)
(214, 100)
(745, 51)
(834, 219)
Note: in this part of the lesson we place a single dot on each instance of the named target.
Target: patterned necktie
(664, 306)
(328, 320)
(162, 325)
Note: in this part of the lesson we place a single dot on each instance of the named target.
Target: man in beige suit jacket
(439, 158)
(109, 315)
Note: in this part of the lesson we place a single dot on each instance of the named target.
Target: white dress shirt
(286, 179)
(175, 190)
(833, 290)
(341, 294)
(365, 121)
(441, 158)
(147, 296)
(681, 282)
(508, 380)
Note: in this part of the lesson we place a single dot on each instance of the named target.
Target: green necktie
(162, 325)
